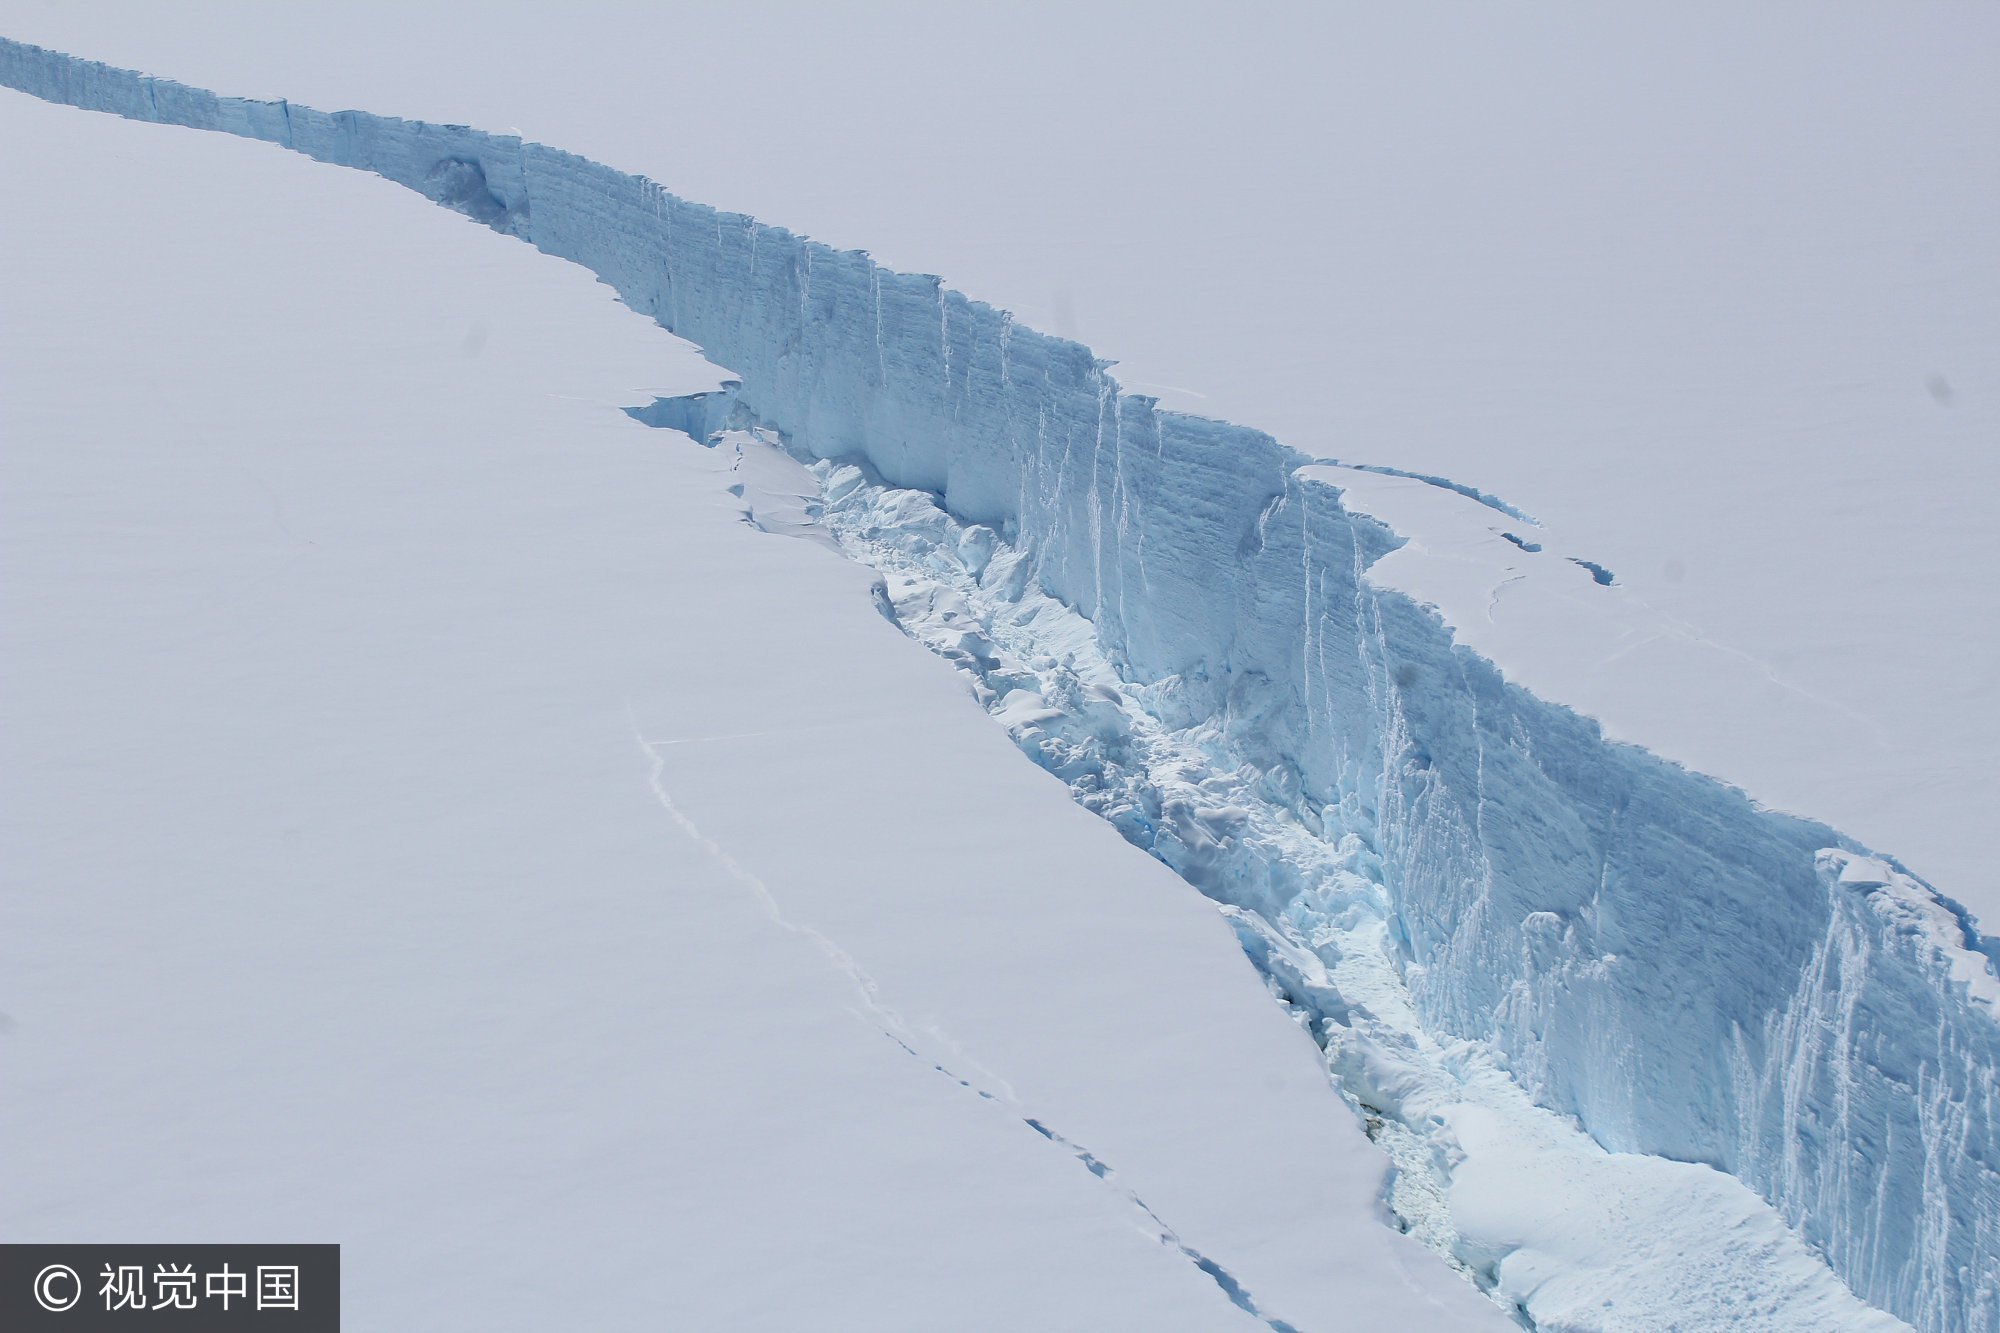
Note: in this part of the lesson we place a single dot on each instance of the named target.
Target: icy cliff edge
(1686, 974)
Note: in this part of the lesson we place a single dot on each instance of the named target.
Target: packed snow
(1520, 1200)
(1677, 977)
(1708, 289)
(437, 823)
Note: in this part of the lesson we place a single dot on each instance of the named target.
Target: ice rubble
(1640, 947)
(1518, 1199)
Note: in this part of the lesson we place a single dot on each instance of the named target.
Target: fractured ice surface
(1516, 1197)
(1644, 949)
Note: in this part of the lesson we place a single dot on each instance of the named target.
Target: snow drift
(1686, 974)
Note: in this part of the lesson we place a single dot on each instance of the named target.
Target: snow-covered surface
(1577, 630)
(1710, 290)
(1643, 951)
(1519, 1198)
(436, 821)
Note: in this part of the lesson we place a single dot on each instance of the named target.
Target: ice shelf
(1687, 975)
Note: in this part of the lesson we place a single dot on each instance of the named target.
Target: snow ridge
(1684, 974)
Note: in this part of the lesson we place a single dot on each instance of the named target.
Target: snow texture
(435, 822)
(1517, 1199)
(1687, 975)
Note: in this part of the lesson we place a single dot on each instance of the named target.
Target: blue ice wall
(1686, 974)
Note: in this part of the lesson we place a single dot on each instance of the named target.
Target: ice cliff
(1686, 975)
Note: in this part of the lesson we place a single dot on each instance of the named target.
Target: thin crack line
(893, 1026)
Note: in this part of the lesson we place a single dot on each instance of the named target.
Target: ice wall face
(1686, 974)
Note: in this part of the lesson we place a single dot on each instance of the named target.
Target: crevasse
(1686, 975)
(1520, 1200)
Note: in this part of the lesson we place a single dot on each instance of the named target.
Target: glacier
(394, 941)
(1554, 1229)
(1643, 949)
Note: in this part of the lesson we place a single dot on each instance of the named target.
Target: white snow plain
(1624, 652)
(437, 822)
(1710, 290)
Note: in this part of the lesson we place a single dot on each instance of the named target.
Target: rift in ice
(1416, 852)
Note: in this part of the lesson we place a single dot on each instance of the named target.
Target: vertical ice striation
(1685, 974)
